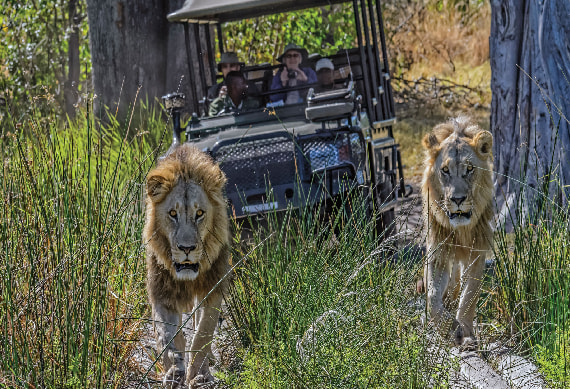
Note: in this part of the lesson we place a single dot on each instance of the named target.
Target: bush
(72, 296)
(317, 304)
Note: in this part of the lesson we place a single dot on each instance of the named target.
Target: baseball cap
(324, 63)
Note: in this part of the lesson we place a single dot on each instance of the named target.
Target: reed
(318, 303)
(72, 293)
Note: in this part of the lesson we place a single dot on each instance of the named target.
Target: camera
(292, 74)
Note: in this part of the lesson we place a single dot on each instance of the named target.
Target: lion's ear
(220, 180)
(483, 144)
(157, 186)
(431, 143)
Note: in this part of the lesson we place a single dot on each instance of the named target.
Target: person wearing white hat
(292, 74)
(325, 75)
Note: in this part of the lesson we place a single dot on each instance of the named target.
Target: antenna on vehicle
(349, 65)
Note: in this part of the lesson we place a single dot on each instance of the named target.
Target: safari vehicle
(303, 154)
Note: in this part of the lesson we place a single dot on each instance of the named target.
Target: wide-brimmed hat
(292, 46)
(229, 57)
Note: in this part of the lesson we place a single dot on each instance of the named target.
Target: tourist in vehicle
(291, 75)
(325, 75)
(236, 98)
(229, 62)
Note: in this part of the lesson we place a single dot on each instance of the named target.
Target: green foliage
(320, 30)
(538, 304)
(554, 361)
(315, 305)
(34, 53)
(72, 289)
(533, 275)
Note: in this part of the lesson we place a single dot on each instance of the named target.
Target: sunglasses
(292, 55)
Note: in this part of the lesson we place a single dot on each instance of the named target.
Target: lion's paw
(462, 338)
(202, 381)
(468, 344)
(174, 378)
(456, 333)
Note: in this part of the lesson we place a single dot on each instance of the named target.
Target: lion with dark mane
(187, 242)
(457, 192)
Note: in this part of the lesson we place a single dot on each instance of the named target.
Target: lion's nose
(458, 200)
(187, 249)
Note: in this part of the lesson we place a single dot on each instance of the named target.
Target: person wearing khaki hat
(291, 75)
(236, 99)
(229, 62)
(325, 75)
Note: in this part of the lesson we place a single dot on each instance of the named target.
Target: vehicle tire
(385, 222)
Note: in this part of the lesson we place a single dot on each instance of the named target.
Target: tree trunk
(138, 55)
(71, 94)
(128, 41)
(530, 63)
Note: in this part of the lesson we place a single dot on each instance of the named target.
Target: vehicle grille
(253, 164)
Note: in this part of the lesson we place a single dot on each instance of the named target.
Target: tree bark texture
(137, 55)
(530, 64)
(71, 94)
(128, 52)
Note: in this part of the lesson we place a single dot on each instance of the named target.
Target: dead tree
(137, 55)
(530, 63)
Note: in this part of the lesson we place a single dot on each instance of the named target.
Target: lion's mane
(186, 163)
(478, 233)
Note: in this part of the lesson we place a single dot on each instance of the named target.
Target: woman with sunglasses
(292, 75)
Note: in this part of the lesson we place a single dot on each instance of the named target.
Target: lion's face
(458, 172)
(185, 217)
(456, 166)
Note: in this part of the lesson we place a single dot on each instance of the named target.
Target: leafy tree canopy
(34, 50)
(322, 30)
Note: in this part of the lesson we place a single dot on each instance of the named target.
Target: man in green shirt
(236, 99)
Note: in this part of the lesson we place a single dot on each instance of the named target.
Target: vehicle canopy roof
(220, 11)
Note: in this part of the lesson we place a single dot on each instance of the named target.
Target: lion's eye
(199, 213)
(445, 169)
(173, 213)
(469, 168)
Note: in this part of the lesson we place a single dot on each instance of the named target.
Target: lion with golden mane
(187, 243)
(457, 191)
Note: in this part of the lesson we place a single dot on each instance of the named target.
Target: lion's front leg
(472, 278)
(437, 279)
(166, 324)
(199, 367)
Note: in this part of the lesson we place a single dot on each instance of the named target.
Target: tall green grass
(317, 304)
(533, 278)
(71, 257)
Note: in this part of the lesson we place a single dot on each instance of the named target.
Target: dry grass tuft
(425, 39)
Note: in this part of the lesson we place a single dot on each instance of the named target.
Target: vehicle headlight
(325, 156)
